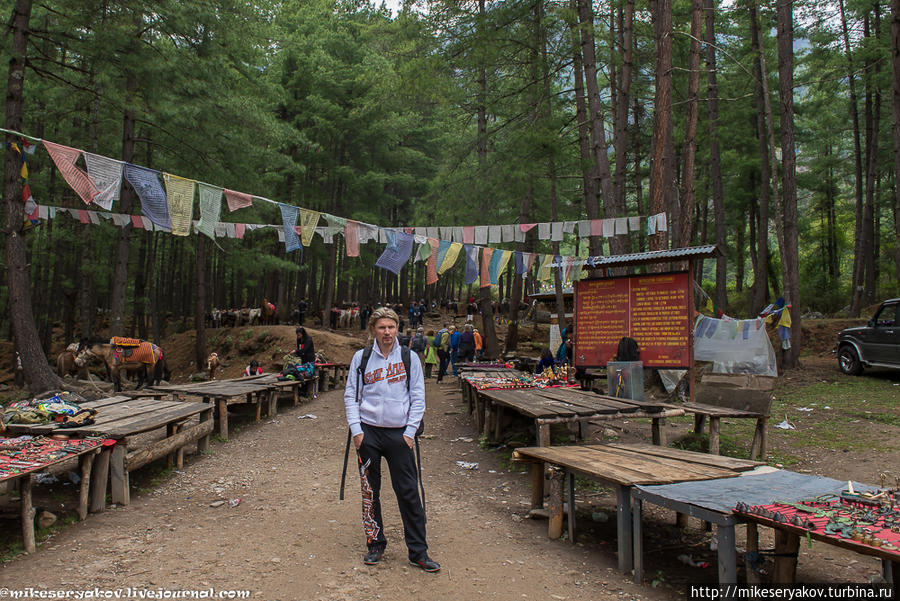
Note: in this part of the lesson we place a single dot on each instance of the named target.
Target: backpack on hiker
(436, 343)
(406, 356)
(418, 343)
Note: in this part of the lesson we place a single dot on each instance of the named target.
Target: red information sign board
(655, 310)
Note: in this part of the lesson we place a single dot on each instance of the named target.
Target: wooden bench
(736, 396)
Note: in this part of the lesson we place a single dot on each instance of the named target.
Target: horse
(143, 358)
(254, 317)
(68, 364)
(212, 364)
(269, 314)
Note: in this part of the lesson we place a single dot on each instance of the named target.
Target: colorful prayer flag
(450, 257)
(431, 267)
(289, 216)
(351, 238)
(237, 200)
(78, 180)
(397, 251)
(486, 266)
(180, 193)
(210, 209)
(471, 264)
(308, 221)
(106, 174)
(153, 198)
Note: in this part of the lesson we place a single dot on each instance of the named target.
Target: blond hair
(383, 313)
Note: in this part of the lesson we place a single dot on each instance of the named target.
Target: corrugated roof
(658, 256)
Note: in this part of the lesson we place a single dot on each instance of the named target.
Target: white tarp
(734, 345)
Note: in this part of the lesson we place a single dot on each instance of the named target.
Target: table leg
(756, 447)
(753, 576)
(489, 415)
(699, 422)
(727, 555)
(570, 481)
(171, 430)
(498, 420)
(764, 438)
(537, 485)
(27, 513)
(543, 434)
(86, 463)
(479, 412)
(890, 570)
(786, 547)
(273, 403)
(658, 431)
(624, 528)
(222, 416)
(203, 441)
(713, 435)
(99, 480)
(555, 503)
(295, 391)
(119, 489)
(258, 405)
(637, 540)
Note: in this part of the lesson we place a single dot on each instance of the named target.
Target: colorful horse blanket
(145, 352)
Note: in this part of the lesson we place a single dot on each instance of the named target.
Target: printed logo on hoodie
(395, 372)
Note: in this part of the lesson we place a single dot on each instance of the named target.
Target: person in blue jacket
(454, 348)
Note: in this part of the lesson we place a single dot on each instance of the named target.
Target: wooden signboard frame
(655, 309)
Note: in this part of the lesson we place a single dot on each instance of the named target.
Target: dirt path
(291, 539)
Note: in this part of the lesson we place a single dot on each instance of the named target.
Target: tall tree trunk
(857, 277)
(790, 261)
(39, 375)
(589, 176)
(489, 333)
(690, 128)
(623, 100)
(200, 303)
(512, 332)
(120, 273)
(761, 273)
(895, 63)
(873, 119)
(595, 106)
(662, 114)
(715, 159)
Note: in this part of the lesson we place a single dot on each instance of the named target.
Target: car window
(887, 317)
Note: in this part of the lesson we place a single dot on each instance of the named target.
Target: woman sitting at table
(546, 361)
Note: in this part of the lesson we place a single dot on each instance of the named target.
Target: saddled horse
(130, 355)
(269, 316)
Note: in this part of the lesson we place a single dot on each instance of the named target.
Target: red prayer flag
(65, 158)
(237, 200)
(137, 222)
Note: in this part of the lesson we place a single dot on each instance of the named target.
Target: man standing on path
(384, 413)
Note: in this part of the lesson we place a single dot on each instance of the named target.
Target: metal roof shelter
(709, 251)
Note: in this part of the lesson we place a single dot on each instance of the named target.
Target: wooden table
(25, 480)
(564, 405)
(623, 466)
(121, 418)
(254, 390)
(713, 501)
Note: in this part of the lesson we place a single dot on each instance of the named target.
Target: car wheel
(849, 362)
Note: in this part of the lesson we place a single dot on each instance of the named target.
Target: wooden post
(537, 485)
(658, 429)
(86, 463)
(258, 405)
(543, 434)
(171, 430)
(119, 489)
(498, 423)
(27, 513)
(787, 545)
(570, 481)
(203, 441)
(699, 423)
(890, 571)
(714, 435)
(479, 412)
(727, 558)
(555, 502)
(99, 480)
(624, 527)
(753, 577)
(489, 416)
(273, 402)
(222, 414)
(295, 392)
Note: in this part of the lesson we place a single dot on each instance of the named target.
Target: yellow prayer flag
(450, 257)
(180, 195)
(544, 273)
(308, 221)
(504, 260)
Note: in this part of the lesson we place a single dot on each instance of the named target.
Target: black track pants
(390, 444)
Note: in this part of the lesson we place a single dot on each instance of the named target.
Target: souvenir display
(869, 518)
(61, 407)
(26, 453)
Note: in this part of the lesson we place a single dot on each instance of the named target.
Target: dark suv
(876, 344)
